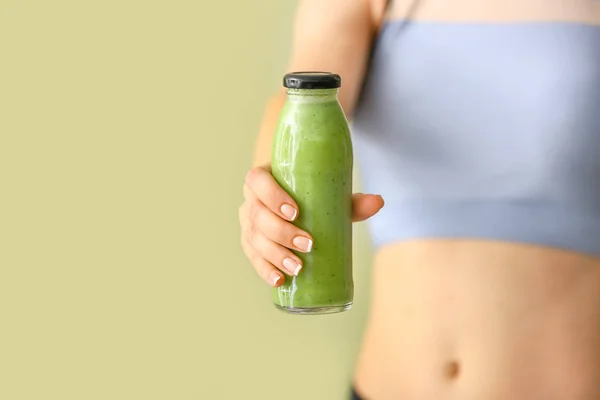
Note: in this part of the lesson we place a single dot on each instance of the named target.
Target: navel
(452, 369)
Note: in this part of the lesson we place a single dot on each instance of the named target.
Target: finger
(268, 272)
(248, 195)
(276, 254)
(266, 188)
(265, 270)
(364, 206)
(278, 230)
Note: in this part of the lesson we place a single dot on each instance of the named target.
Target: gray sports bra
(483, 121)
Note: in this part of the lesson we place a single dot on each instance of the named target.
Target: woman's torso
(481, 320)
(480, 126)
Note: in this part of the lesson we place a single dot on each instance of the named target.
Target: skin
(267, 236)
(449, 319)
(265, 239)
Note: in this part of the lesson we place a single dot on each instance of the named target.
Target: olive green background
(126, 130)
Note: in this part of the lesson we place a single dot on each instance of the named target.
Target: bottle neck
(312, 95)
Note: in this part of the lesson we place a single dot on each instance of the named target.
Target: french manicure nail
(292, 265)
(289, 212)
(275, 277)
(303, 243)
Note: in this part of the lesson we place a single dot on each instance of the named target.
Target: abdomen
(463, 319)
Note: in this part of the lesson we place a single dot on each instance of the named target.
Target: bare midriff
(481, 320)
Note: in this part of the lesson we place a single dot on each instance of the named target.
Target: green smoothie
(312, 161)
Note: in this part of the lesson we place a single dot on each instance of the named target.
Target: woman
(479, 123)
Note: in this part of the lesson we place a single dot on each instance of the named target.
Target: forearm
(262, 149)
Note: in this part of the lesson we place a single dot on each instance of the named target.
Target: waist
(461, 319)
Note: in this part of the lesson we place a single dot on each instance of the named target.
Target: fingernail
(303, 243)
(292, 265)
(289, 212)
(275, 277)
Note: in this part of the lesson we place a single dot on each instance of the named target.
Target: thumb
(364, 206)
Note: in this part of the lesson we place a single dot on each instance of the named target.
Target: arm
(329, 35)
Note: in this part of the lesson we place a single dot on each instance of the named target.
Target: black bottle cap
(312, 80)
